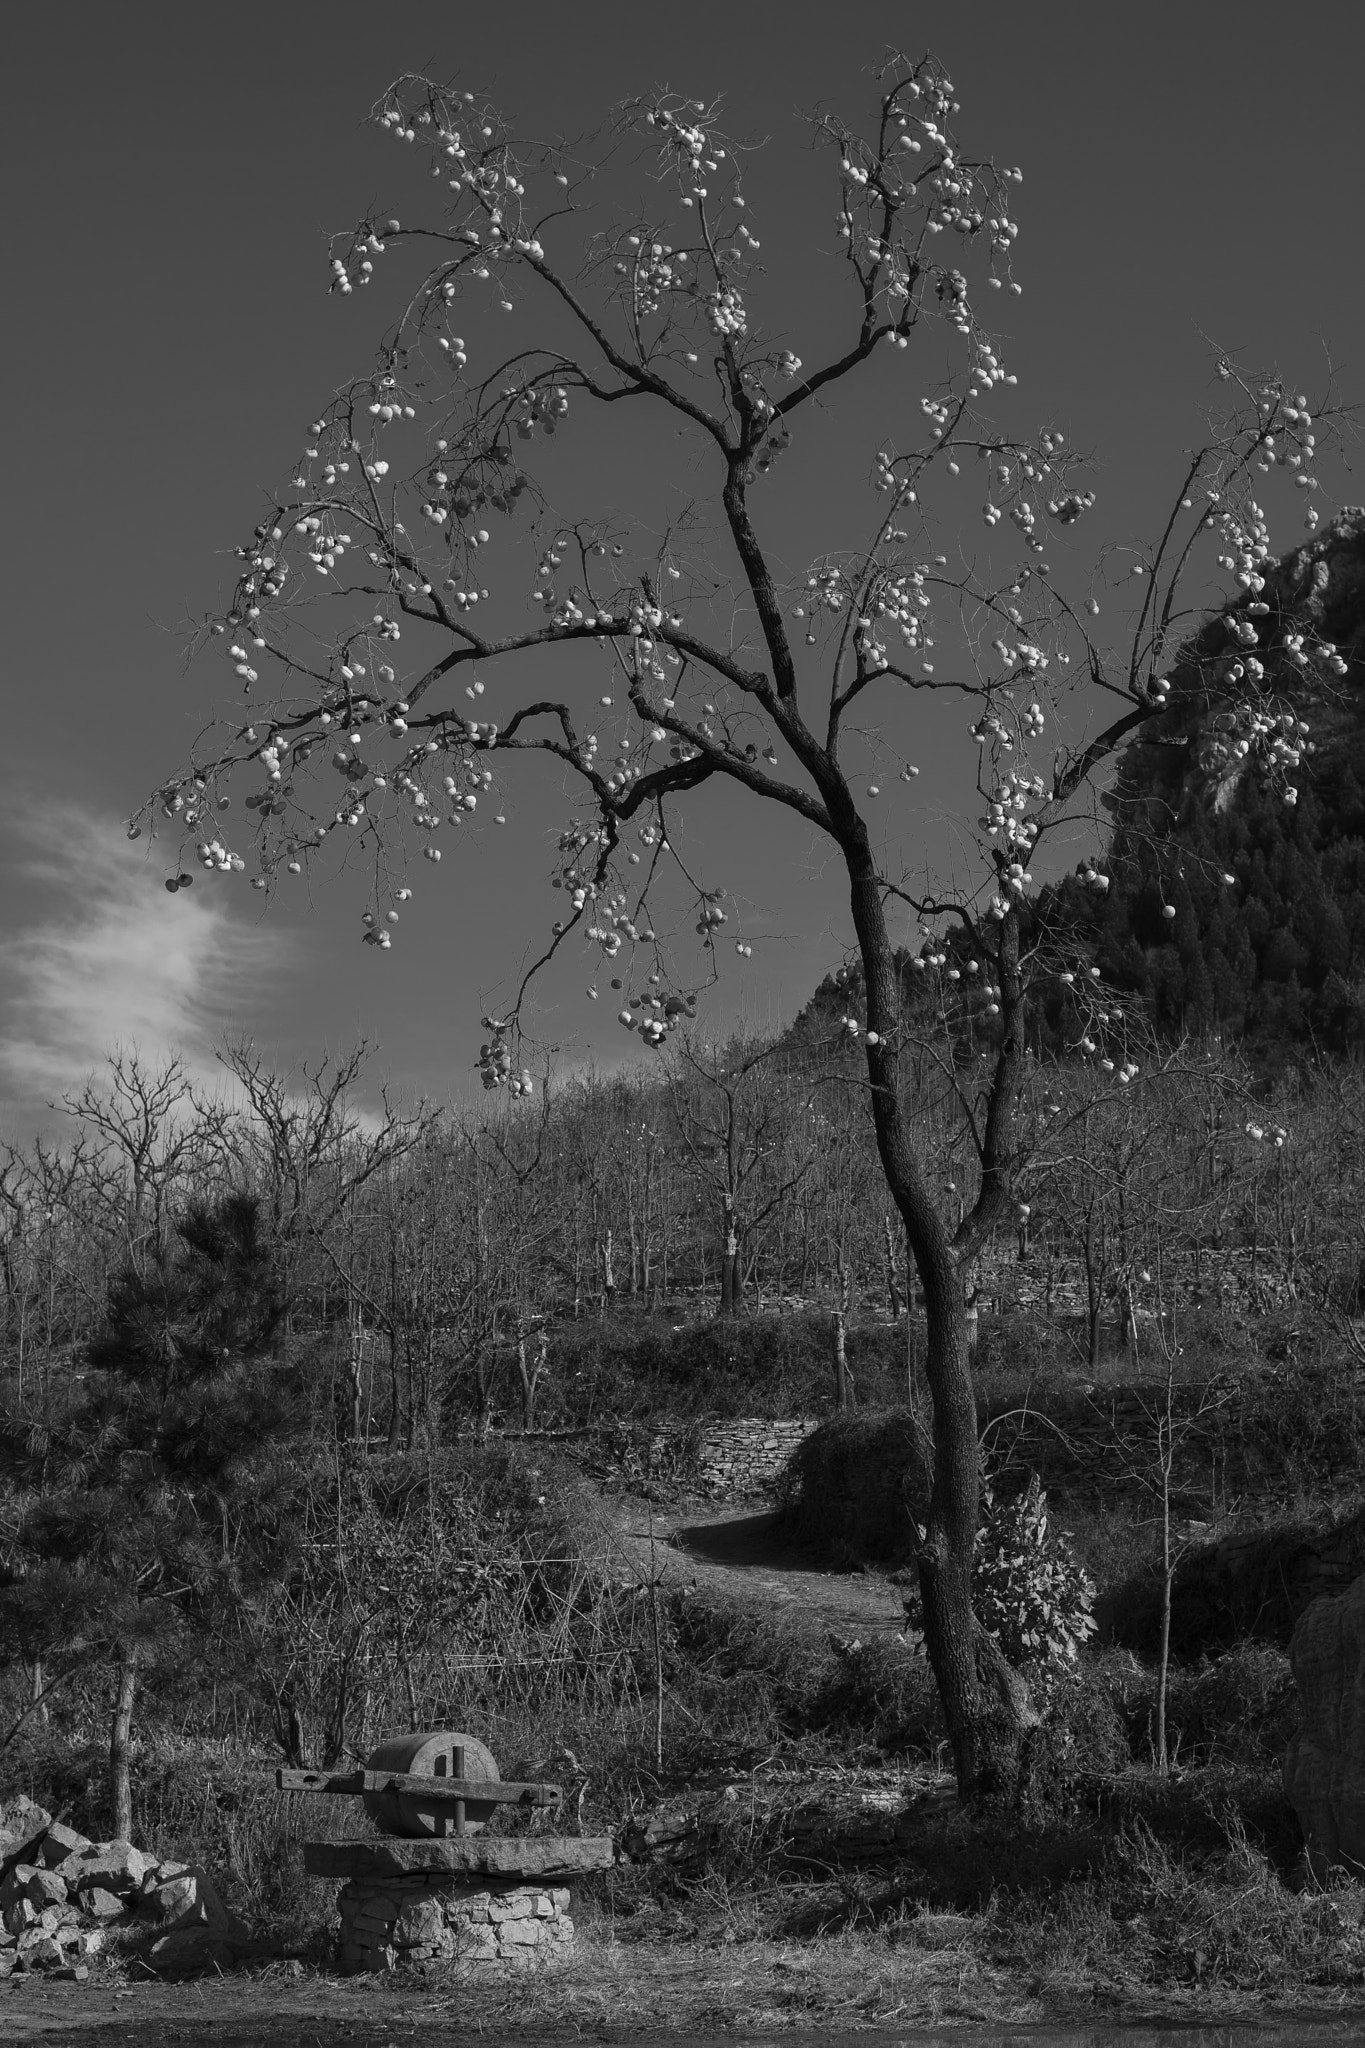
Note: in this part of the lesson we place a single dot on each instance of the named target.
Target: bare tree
(149, 1122)
(734, 1132)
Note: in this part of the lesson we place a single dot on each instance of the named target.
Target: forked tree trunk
(120, 1743)
(530, 1372)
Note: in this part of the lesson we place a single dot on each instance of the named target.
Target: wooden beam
(320, 1781)
(492, 1791)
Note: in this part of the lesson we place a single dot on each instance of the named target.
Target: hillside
(1236, 857)
(1255, 772)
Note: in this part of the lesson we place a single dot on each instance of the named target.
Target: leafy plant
(1029, 1590)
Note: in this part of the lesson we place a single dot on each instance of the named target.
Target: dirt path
(741, 1553)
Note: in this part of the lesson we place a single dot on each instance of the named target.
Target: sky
(1191, 178)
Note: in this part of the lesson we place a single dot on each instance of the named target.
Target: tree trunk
(843, 1299)
(120, 1780)
(355, 1365)
(986, 1708)
(973, 1311)
(1094, 1297)
(530, 1375)
(731, 1279)
(893, 1291)
(395, 1431)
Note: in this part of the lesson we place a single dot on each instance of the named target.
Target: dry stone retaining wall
(731, 1459)
(427, 1917)
(746, 1457)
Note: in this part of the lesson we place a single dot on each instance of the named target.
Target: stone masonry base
(427, 1917)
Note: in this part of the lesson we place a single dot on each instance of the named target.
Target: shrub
(1028, 1589)
(853, 1487)
(1237, 1708)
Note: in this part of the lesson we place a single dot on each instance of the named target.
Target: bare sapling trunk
(120, 1742)
(731, 1276)
(531, 1370)
(395, 1429)
(1165, 1455)
(1093, 1256)
(485, 1382)
(355, 1362)
(842, 1303)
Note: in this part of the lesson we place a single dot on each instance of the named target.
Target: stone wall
(728, 1459)
(426, 1916)
(746, 1456)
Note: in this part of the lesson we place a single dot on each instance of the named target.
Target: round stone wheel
(429, 1754)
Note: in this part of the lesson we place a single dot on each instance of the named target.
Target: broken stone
(42, 1887)
(99, 1904)
(473, 1941)
(191, 1900)
(14, 1886)
(59, 1842)
(421, 1923)
(23, 1823)
(520, 1933)
(114, 1866)
(41, 1952)
(20, 1916)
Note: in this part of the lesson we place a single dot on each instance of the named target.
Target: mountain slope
(1255, 771)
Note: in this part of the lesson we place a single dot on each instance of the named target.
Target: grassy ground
(719, 1970)
(1135, 1895)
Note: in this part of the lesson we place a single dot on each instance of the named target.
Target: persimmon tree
(420, 613)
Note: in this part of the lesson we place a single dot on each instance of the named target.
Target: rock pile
(425, 1917)
(63, 1897)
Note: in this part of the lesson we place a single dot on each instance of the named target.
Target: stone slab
(461, 1856)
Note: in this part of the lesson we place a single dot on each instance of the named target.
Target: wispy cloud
(105, 957)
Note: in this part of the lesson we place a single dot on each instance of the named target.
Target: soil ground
(652, 1991)
(742, 1553)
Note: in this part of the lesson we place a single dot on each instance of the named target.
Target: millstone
(439, 1753)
